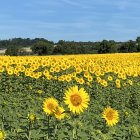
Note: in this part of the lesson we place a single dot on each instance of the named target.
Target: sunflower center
(110, 115)
(58, 112)
(76, 99)
(50, 106)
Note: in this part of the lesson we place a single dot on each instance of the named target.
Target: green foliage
(43, 48)
(16, 51)
(107, 47)
(71, 47)
(138, 44)
(129, 46)
(13, 51)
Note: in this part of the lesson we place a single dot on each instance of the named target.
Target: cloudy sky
(79, 20)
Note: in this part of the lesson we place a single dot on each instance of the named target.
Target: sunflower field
(70, 97)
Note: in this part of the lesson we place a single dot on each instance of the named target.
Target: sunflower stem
(55, 129)
(29, 131)
(74, 132)
(48, 127)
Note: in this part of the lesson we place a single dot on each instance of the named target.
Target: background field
(110, 80)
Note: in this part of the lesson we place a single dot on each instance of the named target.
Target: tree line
(41, 46)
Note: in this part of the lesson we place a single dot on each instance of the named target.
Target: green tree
(16, 51)
(12, 51)
(129, 46)
(42, 48)
(138, 43)
(132, 46)
(107, 46)
(57, 49)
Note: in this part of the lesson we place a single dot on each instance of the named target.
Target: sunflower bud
(31, 117)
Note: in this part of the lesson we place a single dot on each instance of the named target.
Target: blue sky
(79, 20)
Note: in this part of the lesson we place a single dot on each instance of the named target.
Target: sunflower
(2, 135)
(50, 105)
(111, 116)
(59, 113)
(110, 78)
(77, 100)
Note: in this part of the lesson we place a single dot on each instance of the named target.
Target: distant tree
(15, 51)
(72, 47)
(106, 46)
(60, 42)
(42, 48)
(138, 39)
(129, 46)
(57, 49)
(113, 46)
(12, 51)
(123, 47)
(138, 44)
(132, 46)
